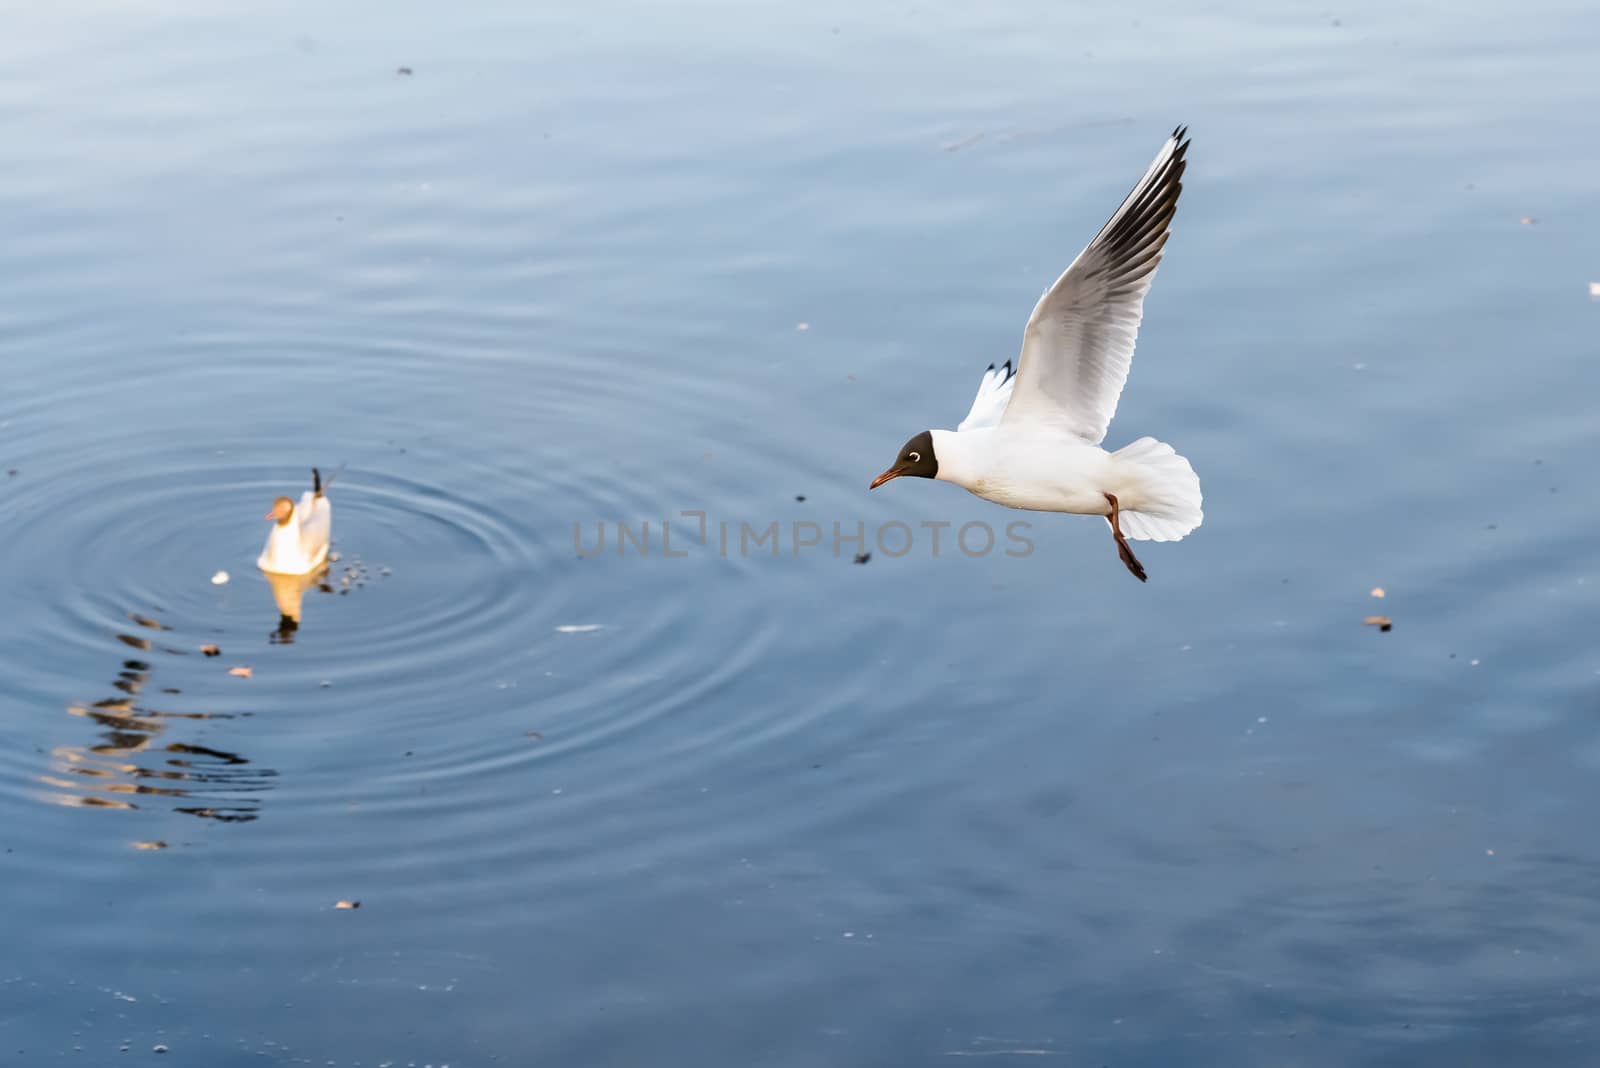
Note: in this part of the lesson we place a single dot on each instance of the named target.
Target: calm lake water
(614, 262)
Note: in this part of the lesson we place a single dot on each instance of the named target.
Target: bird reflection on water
(136, 760)
(289, 591)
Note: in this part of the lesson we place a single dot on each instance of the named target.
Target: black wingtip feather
(1133, 239)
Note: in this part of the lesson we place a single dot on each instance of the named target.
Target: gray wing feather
(1079, 341)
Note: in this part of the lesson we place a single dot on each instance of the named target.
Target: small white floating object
(1594, 289)
(579, 628)
(219, 579)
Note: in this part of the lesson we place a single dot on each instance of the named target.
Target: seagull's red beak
(892, 473)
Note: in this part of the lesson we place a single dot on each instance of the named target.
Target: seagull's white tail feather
(1165, 502)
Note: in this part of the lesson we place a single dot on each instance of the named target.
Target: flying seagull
(1032, 438)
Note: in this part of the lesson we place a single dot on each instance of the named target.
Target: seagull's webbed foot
(1131, 561)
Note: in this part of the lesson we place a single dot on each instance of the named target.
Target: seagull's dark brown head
(916, 459)
(282, 509)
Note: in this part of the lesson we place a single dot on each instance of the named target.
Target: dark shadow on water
(136, 761)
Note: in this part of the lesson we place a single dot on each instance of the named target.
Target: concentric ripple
(456, 628)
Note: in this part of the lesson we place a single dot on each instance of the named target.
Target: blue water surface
(523, 268)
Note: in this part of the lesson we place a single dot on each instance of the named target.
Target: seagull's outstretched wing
(990, 403)
(1079, 340)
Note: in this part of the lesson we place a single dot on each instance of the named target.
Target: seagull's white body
(298, 542)
(1032, 439)
(1042, 469)
(1035, 468)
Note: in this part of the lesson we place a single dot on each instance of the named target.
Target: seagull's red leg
(1122, 543)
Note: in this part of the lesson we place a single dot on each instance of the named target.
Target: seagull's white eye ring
(914, 457)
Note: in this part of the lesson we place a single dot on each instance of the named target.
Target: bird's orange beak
(892, 473)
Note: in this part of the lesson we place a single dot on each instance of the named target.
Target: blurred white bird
(298, 543)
